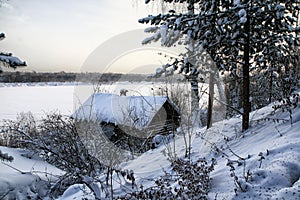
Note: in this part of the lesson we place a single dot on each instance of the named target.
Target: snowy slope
(279, 143)
(278, 175)
(271, 136)
(24, 177)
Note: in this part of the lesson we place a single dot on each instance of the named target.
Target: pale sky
(60, 35)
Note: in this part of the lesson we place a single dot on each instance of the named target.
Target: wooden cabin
(130, 121)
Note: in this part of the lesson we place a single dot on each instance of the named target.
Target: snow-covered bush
(80, 149)
(189, 180)
(99, 146)
(8, 134)
(56, 139)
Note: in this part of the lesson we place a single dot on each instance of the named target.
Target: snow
(38, 99)
(278, 176)
(12, 60)
(163, 33)
(178, 21)
(243, 16)
(150, 30)
(77, 191)
(243, 20)
(23, 176)
(271, 136)
(137, 111)
(156, 36)
(236, 2)
(279, 170)
(42, 98)
(159, 70)
(220, 22)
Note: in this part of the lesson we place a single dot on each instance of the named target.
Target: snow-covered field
(65, 98)
(272, 136)
(25, 177)
(38, 99)
(279, 144)
(42, 98)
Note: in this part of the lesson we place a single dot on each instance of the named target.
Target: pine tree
(265, 28)
(236, 34)
(8, 60)
(195, 63)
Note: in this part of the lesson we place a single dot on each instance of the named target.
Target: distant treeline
(25, 77)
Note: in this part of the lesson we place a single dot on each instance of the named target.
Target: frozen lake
(43, 98)
(36, 99)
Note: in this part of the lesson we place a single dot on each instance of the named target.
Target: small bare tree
(179, 94)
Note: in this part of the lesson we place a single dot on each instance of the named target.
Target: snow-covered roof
(134, 111)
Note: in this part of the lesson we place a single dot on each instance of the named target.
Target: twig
(5, 194)
(278, 131)
(41, 172)
(215, 146)
(234, 152)
(227, 105)
(15, 168)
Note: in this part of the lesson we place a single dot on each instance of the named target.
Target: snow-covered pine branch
(256, 36)
(8, 60)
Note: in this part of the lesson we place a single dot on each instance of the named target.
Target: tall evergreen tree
(264, 27)
(236, 34)
(195, 63)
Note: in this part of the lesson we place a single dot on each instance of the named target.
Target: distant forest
(25, 77)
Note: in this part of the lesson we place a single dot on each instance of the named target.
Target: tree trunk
(221, 92)
(211, 79)
(194, 84)
(210, 100)
(195, 101)
(246, 77)
(271, 86)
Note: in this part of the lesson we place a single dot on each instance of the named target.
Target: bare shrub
(55, 138)
(189, 180)
(25, 122)
(179, 94)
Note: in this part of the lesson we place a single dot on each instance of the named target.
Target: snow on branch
(8, 60)
(2, 36)
(152, 38)
(151, 29)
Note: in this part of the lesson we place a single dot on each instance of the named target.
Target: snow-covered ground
(42, 98)
(25, 176)
(65, 98)
(276, 177)
(278, 142)
(271, 136)
(36, 98)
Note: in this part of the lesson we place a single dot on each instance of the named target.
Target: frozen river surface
(43, 98)
(36, 99)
